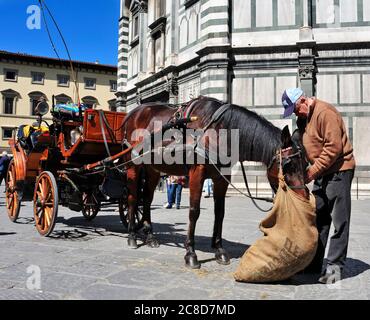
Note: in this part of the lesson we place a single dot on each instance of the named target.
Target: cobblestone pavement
(91, 260)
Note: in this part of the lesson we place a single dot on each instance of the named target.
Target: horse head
(293, 163)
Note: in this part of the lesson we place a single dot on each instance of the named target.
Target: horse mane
(174, 105)
(259, 139)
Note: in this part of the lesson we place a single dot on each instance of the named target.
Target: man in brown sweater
(330, 154)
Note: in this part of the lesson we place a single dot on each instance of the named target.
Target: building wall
(247, 52)
(23, 113)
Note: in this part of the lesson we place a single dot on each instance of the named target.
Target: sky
(90, 28)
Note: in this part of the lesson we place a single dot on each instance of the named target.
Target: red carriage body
(44, 171)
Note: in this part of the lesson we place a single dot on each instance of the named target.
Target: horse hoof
(152, 242)
(191, 261)
(222, 257)
(132, 243)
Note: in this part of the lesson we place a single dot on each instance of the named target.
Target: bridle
(282, 157)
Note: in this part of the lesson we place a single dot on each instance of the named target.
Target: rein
(241, 192)
(250, 195)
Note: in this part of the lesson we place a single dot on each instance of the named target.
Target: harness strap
(189, 108)
(217, 115)
(103, 132)
(302, 187)
(103, 121)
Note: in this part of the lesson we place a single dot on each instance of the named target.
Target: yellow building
(25, 79)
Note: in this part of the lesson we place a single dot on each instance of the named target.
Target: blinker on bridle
(287, 158)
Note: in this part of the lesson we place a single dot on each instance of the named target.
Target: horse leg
(196, 180)
(132, 184)
(151, 181)
(219, 192)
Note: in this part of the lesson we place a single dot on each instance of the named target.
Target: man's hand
(309, 176)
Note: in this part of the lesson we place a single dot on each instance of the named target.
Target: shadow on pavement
(110, 223)
(353, 268)
(167, 234)
(25, 220)
(69, 235)
(182, 207)
(7, 233)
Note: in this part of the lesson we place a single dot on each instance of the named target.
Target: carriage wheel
(123, 213)
(90, 206)
(13, 202)
(45, 203)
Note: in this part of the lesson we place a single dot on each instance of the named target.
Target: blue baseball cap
(289, 99)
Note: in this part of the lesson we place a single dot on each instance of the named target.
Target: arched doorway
(90, 102)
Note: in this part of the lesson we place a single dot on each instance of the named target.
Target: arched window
(10, 98)
(168, 42)
(35, 98)
(158, 52)
(193, 27)
(90, 102)
(183, 33)
(150, 57)
(62, 99)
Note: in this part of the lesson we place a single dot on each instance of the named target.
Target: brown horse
(259, 141)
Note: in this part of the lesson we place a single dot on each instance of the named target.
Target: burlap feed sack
(290, 240)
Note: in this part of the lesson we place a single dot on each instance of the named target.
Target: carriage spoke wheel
(123, 213)
(45, 203)
(90, 206)
(13, 203)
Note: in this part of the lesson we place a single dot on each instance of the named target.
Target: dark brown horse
(259, 141)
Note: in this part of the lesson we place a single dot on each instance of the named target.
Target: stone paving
(91, 260)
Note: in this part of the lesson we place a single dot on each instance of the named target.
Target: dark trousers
(333, 205)
(2, 177)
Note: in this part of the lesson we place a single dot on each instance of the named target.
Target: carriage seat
(33, 138)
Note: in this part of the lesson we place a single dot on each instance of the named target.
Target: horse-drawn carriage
(83, 161)
(47, 161)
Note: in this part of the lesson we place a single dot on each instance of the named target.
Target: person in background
(208, 188)
(169, 194)
(174, 190)
(178, 190)
(4, 163)
(330, 154)
(161, 183)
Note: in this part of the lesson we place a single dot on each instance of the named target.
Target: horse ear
(286, 138)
